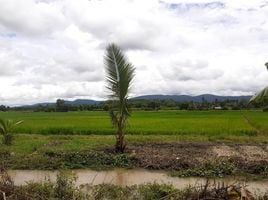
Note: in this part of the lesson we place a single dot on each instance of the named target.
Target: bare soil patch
(177, 156)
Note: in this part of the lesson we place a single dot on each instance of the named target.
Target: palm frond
(260, 97)
(6, 125)
(113, 117)
(120, 73)
(3, 126)
(17, 123)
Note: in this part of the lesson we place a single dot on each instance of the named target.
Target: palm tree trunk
(120, 142)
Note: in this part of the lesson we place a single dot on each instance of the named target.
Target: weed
(218, 168)
(71, 160)
(4, 155)
(65, 187)
(155, 191)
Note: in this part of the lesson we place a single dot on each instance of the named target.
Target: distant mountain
(179, 98)
(82, 102)
(75, 102)
(199, 98)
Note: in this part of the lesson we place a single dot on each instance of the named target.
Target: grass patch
(28, 144)
(50, 159)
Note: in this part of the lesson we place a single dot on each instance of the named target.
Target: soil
(176, 156)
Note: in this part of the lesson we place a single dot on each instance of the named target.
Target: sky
(52, 49)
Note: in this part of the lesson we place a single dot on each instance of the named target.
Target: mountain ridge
(198, 98)
(179, 98)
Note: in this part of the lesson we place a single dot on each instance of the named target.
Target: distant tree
(153, 105)
(120, 74)
(61, 106)
(3, 108)
(106, 108)
(60, 102)
(184, 106)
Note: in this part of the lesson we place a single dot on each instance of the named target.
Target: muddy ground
(177, 156)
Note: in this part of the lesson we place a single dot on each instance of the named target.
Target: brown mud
(177, 156)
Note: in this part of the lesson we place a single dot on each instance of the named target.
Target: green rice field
(208, 123)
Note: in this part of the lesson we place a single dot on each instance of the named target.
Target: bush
(155, 191)
(4, 155)
(219, 168)
(265, 109)
(43, 190)
(109, 191)
(65, 187)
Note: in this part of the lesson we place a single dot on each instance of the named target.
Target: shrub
(154, 191)
(218, 168)
(65, 187)
(265, 109)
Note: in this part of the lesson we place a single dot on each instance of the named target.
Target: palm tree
(120, 74)
(6, 128)
(262, 96)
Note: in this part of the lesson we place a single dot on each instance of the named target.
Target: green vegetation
(64, 189)
(190, 123)
(6, 129)
(76, 152)
(261, 98)
(218, 168)
(120, 74)
(30, 144)
(152, 191)
(59, 145)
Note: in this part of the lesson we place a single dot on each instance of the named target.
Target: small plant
(121, 160)
(6, 129)
(65, 187)
(156, 191)
(218, 168)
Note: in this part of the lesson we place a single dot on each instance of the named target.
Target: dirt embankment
(177, 156)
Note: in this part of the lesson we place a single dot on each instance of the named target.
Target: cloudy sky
(53, 49)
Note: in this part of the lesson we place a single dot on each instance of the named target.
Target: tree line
(138, 104)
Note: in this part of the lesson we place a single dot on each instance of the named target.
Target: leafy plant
(120, 74)
(156, 191)
(65, 187)
(262, 96)
(218, 168)
(6, 128)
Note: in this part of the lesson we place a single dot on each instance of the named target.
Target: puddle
(127, 177)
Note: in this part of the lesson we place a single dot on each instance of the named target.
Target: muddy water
(125, 177)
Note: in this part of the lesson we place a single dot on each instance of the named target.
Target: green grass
(31, 143)
(209, 123)
(59, 140)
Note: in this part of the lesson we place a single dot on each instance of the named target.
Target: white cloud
(54, 49)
